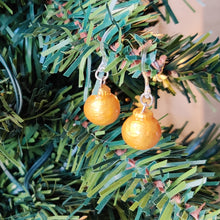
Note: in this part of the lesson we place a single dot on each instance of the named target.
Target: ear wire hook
(104, 61)
(147, 91)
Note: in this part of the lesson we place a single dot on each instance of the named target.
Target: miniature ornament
(141, 130)
(103, 108)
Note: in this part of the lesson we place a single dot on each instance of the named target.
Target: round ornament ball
(141, 130)
(103, 108)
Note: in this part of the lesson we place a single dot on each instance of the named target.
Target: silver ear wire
(147, 91)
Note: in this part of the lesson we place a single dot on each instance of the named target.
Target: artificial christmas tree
(55, 164)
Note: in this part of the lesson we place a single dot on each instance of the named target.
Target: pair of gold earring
(140, 131)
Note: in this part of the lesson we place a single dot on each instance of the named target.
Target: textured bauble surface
(141, 130)
(103, 108)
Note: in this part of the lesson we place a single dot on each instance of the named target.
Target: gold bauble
(141, 130)
(102, 109)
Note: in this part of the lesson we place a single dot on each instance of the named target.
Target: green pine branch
(187, 59)
(90, 172)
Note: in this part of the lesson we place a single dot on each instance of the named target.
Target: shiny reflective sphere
(141, 130)
(102, 109)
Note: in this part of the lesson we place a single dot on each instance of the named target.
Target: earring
(103, 108)
(141, 130)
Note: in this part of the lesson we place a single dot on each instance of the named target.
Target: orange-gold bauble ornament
(102, 109)
(141, 130)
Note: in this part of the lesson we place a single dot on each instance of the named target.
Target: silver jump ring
(103, 79)
(145, 104)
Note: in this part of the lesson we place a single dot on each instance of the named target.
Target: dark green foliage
(56, 165)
